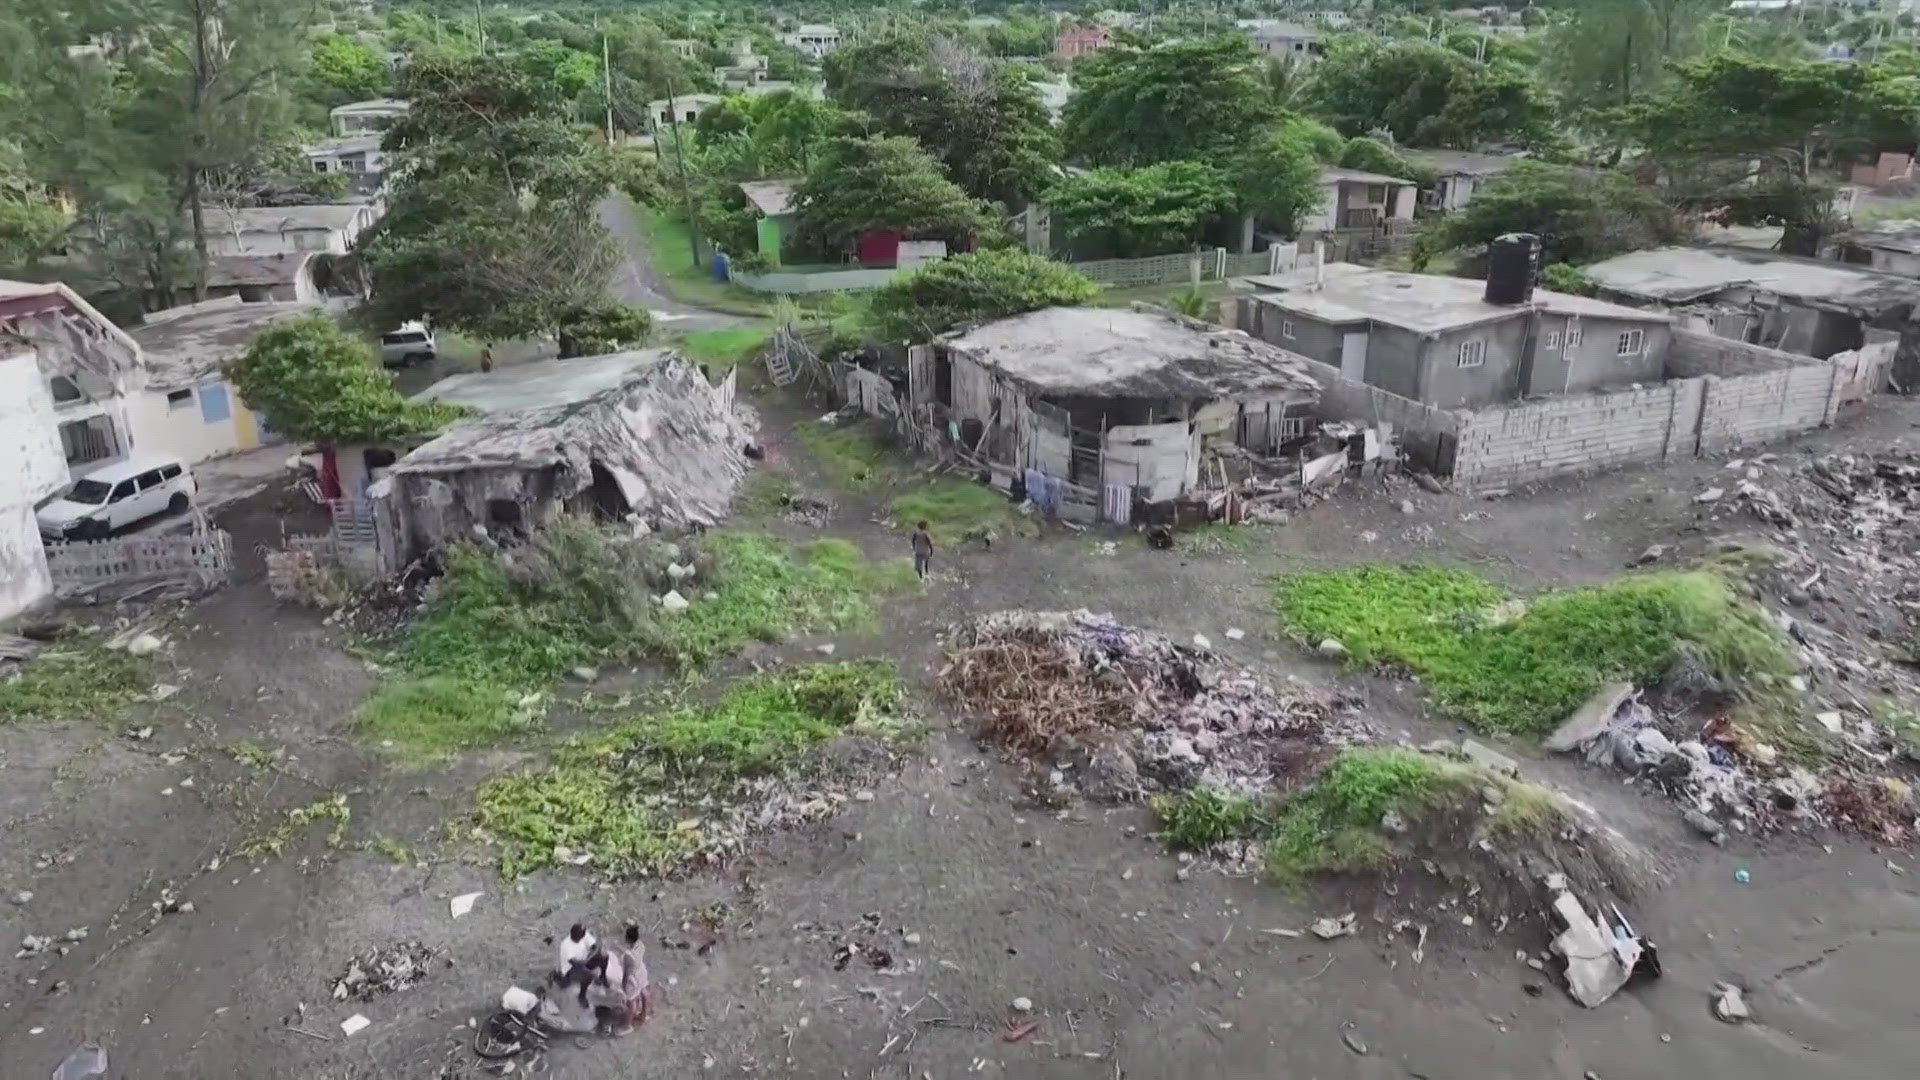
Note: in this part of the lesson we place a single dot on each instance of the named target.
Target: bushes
(974, 287)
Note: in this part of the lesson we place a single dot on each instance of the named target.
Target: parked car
(409, 344)
(115, 496)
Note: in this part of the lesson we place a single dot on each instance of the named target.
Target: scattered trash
(673, 601)
(1729, 1006)
(1282, 933)
(1331, 649)
(517, 1000)
(463, 903)
(586, 674)
(1202, 642)
(144, 645)
(1022, 1005)
(1711, 495)
(1015, 1032)
(378, 972)
(23, 897)
(1327, 929)
(1354, 1043)
(1599, 963)
(1742, 876)
(1653, 554)
(1234, 633)
(89, 1059)
(1896, 867)
(354, 1024)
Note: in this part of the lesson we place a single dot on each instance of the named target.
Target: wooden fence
(202, 558)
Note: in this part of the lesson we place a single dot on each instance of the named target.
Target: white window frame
(1286, 328)
(181, 400)
(1574, 335)
(1631, 343)
(1553, 340)
(1472, 354)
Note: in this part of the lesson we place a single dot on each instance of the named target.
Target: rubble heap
(387, 970)
(1141, 711)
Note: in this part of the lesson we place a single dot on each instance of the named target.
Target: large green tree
(974, 287)
(345, 69)
(1426, 94)
(312, 380)
(888, 182)
(983, 120)
(492, 226)
(1151, 210)
(1606, 54)
(1752, 141)
(1181, 100)
(1580, 215)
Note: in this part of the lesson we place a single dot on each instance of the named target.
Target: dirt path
(636, 280)
(1134, 973)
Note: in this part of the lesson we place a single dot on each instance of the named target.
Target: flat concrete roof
(1902, 235)
(1423, 303)
(1129, 353)
(274, 219)
(1682, 274)
(282, 269)
(183, 344)
(541, 385)
(1463, 162)
(373, 105)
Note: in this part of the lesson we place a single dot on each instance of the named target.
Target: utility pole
(686, 189)
(606, 76)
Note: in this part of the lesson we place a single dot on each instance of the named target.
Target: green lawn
(686, 281)
(723, 349)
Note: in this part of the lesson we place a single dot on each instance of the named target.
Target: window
(63, 390)
(179, 399)
(1286, 328)
(1573, 337)
(1376, 193)
(214, 406)
(319, 166)
(1632, 343)
(1472, 353)
(171, 472)
(1553, 339)
(122, 490)
(149, 480)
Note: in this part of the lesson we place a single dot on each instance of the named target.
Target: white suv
(115, 496)
(410, 343)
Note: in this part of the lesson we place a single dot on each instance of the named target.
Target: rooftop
(1463, 162)
(278, 269)
(1277, 29)
(185, 343)
(377, 106)
(542, 385)
(1111, 352)
(276, 219)
(1334, 176)
(771, 197)
(1681, 274)
(701, 100)
(1423, 303)
(1902, 235)
(364, 143)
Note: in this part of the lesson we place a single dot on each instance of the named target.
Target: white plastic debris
(1234, 633)
(519, 1001)
(673, 601)
(354, 1024)
(1729, 1006)
(143, 645)
(1326, 929)
(462, 904)
(1201, 641)
(1022, 1005)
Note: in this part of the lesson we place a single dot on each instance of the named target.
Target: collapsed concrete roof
(647, 417)
(1902, 236)
(1678, 275)
(1131, 353)
(187, 343)
(279, 269)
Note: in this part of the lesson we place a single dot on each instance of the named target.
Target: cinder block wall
(1692, 353)
(1427, 434)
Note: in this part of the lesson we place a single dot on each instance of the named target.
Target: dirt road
(1133, 972)
(637, 281)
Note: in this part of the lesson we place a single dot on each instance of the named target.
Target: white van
(115, 496)
(412, 342)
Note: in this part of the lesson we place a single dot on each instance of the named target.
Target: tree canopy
(1580, 215)
(312, 380)
(888, 182)
(1151, 210)
(1426, 94)
(1181, 100)
(975, 287)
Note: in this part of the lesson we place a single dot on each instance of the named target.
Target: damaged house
(1097, 411)
(632, 434)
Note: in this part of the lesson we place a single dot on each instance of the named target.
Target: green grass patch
(1501, 667)
(769, 590)
(87, 683)
(1201, 817)
(723, 349)
(668, 245)
(634, 798)
(955, 509)
(1333, 824)
(855, 456)
(438, 714)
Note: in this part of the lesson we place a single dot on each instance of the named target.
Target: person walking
(922, 551)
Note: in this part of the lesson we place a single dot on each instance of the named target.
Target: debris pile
(388, 970)
(1140, 710)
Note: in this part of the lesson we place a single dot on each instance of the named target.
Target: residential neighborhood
(1082, 539)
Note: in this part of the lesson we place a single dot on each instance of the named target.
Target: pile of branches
(386, 970)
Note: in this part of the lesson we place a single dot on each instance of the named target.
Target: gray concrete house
(1458, 174)
(1440, 342)
(1891, 247)
(1125, 404)
(1802, 306)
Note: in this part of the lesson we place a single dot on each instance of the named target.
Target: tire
(177, 504)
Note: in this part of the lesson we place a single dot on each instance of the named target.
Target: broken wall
(1427, 434)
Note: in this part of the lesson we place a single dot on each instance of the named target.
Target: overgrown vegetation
(1509, 667)
(724, 349)
(1201, 817)
(858, 457)
(634, 799)
(313, 380)
(1333, 824)
(503, 628)
(87, 683)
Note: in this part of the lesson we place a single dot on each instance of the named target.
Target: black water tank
(1513, 264)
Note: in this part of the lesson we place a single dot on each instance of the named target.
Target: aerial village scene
(1085, 539)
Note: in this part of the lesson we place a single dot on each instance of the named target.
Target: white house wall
(1162, 460)
(185, 433)
(34, 467)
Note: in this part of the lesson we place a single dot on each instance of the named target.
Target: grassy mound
(1333, 823)
(75, 683)
(859, 457)
(1503, 668)
(641, 797)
